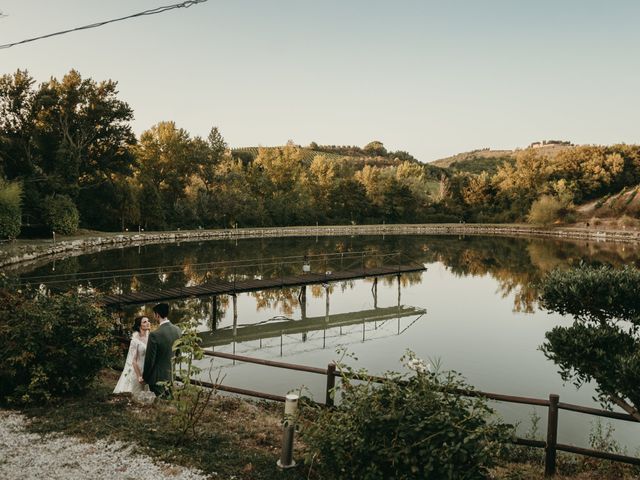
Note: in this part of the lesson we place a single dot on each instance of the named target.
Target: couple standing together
(150, 354)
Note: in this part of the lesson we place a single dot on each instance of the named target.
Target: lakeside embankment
(28, 251)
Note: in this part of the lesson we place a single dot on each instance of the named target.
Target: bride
(131, 378)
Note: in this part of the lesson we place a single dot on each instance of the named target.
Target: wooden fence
(553, 404)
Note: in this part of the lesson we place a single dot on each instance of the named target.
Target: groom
(157, 362)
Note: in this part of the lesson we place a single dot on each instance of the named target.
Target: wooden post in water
(214, 312)
(552, 436)
(326, 314)
(303, 302)
(235, 314)
(374, 289)
(399, 297)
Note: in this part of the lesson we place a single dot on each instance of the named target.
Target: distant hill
(308, 154)
(477, 161)
(355, 156)
(358, 158)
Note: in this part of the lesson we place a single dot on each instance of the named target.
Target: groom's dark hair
(162, 309)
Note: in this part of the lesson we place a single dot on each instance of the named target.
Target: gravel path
(25, 455)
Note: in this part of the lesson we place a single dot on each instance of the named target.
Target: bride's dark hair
(137, 322)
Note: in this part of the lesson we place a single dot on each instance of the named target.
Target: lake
(472, 310)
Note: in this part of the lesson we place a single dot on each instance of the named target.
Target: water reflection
(480, 293)
(517, 264)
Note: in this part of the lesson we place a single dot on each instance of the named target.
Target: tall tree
(18, 114)
(65, 137)
(165, 166)
(91, 126)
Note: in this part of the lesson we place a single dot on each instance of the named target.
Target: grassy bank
(241, 439)
(236, 439)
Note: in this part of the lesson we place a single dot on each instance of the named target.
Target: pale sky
(432, 78)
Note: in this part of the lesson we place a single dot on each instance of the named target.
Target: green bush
(545, 211)
(52, 346)
(10, 209)
(61, 214)
(410, 428)
(189, 400)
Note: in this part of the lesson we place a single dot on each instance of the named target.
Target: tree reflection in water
(517, 264)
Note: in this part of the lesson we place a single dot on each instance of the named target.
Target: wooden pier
(214, 288)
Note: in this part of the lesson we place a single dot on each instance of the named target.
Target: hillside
(477, 161)
(308, 154)
(622, 207)
(351, 154)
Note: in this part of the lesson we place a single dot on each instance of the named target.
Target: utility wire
(153, 11)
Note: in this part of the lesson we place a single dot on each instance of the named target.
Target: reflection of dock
(215, 288)
(223, 336)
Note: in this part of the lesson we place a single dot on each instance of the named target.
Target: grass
(241, 439)
(238, 439)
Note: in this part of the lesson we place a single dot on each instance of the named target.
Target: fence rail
(553, 404)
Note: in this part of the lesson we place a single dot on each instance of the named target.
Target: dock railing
(553, 404)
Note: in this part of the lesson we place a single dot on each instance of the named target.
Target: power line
(153, 11)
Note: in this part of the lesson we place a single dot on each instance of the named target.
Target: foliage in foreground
(187, 398)
(413, 428)
(603, 343)
(52, 345)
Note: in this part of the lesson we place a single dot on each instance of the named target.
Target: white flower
(418, 365)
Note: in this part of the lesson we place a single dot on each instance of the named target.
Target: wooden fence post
(331, 383)
(552, 436)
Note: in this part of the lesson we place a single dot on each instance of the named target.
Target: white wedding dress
(128, 382)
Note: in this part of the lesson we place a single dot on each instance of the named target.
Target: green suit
(157, 361)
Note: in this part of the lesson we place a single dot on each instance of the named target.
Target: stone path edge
(92, 244)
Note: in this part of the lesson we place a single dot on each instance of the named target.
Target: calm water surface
(477, 298)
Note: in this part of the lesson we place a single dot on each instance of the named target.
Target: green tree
(52, 346)
(61, 214)
(413, 427)
(91, 131)
(19, 104)
(276, 176)
(348, 202)
(375, 149)
(603, 344)
(399, 204)
(165, 167)
(213, 155)
(10, 209)
(545, 211)
(66, 136)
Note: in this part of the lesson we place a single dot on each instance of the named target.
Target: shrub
(545, 210)
(406, 427)
(627, 221)
(52, 346)
(61, 214)
(10, 209)
(189, 400)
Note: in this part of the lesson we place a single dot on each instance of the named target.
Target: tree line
(69, 158)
